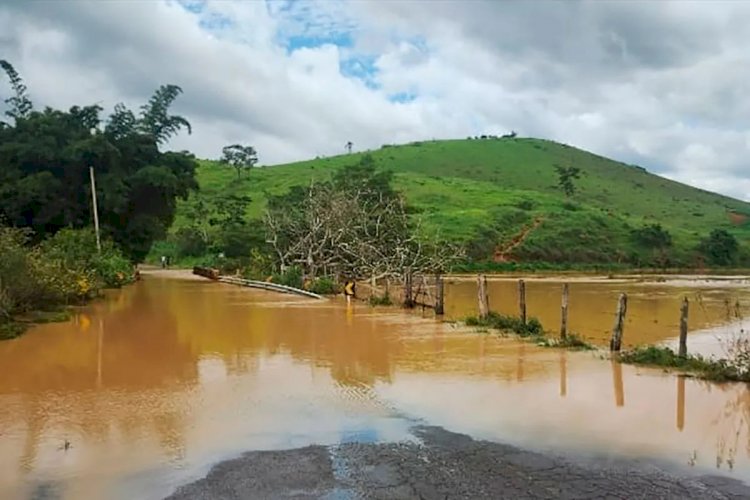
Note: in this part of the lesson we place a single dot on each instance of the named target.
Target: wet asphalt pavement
(445, 465)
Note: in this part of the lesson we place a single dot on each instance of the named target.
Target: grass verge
(532, 330)
(719, 370)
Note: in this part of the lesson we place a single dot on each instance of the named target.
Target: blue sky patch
(402, 97)
(362, 68)
(294, 42)
(194, 6)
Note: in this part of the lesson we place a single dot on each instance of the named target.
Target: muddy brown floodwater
(144, 391)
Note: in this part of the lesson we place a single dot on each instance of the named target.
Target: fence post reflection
(100, 340)
(617, 380)
(563, 374)
(519, 368)
(680, 403)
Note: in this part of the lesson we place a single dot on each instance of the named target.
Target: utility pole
(96, 210)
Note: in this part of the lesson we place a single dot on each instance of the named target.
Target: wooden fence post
(484, 304)
(683, 327)
(622, 306)
(408, 292)
(439, 295)
(522, 299)
(564, 313)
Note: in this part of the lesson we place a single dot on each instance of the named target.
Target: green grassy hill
(501, 195)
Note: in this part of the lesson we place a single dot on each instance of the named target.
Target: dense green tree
(655, 239)
(20, 105)
(44, 169)
(155, 119)
(239, 157)
(720, 248)
(565, 178)
(652, 236)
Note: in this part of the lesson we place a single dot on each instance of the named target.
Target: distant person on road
(163, 261)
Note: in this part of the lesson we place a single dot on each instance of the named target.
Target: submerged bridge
(263, 285)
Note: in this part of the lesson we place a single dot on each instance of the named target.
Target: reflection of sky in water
(167, 377)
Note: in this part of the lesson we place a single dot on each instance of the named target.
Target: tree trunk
(564, 313)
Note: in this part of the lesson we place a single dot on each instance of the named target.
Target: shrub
(76, 250)
(531, 328)
(525, 205)
(720, 248)
(384, 300)
(63, 269)
(189, 243)
(260, 265)
(719, 370)
(652, 236)
(323, 286)
(291, 277)
(571, 341)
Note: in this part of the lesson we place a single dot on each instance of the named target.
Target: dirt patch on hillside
(503, 252)
(737, 218)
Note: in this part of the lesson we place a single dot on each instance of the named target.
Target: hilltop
(500, 197)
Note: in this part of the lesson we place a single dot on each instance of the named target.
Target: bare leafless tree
(356, 231)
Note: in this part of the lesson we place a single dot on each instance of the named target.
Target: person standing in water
(349, 290)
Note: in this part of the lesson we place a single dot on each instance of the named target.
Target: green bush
(571, 341)
(189, 242)
(380, 300)
(64, 269)
(525, 205)
(260, 265)
(291, 277)
(719, 370)
(323, 286)
(531, 328)
(76, 250)
(720, 248)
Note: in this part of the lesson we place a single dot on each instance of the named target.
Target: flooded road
(144, 391)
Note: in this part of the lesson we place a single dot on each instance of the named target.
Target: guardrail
(273, 287)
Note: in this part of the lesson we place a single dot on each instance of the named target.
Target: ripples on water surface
(164, 378)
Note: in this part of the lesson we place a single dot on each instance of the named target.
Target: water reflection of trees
(98, 376)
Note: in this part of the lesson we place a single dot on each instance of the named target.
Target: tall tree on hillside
(20, 104)
(155, 119)
(565, 178)
(720, 248)
(239, 157)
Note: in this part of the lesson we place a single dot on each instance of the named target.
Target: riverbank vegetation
(36, 281)
(531, 330)
(48, 253)
(736, 369)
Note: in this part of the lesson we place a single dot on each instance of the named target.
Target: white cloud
(660, 83)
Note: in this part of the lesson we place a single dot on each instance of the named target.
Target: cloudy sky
(660, 84)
